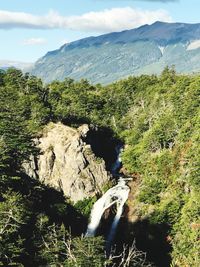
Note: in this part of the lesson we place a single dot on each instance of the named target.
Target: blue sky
(29, 29)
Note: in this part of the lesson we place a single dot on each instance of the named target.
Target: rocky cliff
(67, 163)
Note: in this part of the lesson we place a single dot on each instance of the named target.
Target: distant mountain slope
(147, 49)
(5, 64)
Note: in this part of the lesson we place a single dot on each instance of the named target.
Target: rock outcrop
(67, 163)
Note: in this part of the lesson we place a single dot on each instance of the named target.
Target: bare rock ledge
(67, 163)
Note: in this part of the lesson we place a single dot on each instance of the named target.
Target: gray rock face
(67, 163)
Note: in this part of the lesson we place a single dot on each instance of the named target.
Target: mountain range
(5, 64)
(110, 57)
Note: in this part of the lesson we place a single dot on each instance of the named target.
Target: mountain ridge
(140, 31)
(115, 55)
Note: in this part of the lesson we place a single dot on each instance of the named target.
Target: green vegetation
(85, 206)
(158, 120)
(163, 144)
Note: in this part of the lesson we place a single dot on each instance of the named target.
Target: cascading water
(117, 194)
(120, 205)
(118, 162)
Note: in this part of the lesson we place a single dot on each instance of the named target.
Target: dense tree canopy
(158, 119)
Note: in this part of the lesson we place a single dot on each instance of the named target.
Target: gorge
(68, 164)
(54, 167)
(80, 162)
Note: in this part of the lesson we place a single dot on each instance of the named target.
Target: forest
(158, 120)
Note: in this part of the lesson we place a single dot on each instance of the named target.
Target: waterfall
(117, 164)
(120, 206)
(117, 194)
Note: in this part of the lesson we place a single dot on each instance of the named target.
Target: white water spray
(117, 194)
(120, 206)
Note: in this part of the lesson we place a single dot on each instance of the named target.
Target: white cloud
(34, 41)
(108, 20)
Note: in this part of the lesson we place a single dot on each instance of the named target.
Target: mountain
(109, 57)
(5, 64)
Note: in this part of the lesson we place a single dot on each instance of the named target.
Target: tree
(15, 139)
(13, 215)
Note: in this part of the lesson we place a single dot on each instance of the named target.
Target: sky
(29, 29)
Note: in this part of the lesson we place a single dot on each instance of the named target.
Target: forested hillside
(158, 120)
